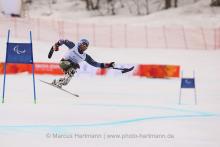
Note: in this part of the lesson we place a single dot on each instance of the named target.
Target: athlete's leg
(69, 71)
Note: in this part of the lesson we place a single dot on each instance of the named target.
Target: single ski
(76, 95)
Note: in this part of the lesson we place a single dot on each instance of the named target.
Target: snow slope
(116, 111)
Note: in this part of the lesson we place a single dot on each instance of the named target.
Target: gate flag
(19, 53)
(187, 83)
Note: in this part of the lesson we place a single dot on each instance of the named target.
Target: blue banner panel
(188, 83)
(19, 53)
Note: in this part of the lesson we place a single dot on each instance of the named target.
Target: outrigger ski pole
(124, 70)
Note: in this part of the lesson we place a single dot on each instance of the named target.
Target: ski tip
(73, 94)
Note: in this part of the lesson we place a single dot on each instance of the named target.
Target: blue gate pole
(3, 94)
(180, 93)
(195, 95)
(35, 100)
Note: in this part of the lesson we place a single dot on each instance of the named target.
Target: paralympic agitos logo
(18, 51)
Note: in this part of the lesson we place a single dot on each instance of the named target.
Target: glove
(109, 65)
(56, 46)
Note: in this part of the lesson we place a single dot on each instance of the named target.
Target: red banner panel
(152, 71)
(15, 68)
(48, 68)
(158, 71)
(40, 68)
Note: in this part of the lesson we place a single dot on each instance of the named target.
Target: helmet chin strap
(80, 51)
